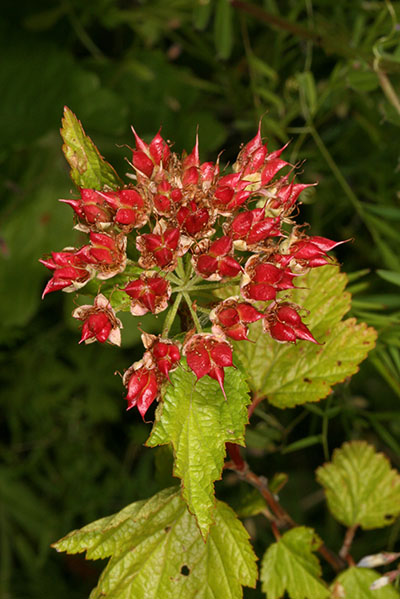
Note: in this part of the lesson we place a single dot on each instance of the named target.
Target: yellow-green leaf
(360, 486)
(354, 583)
(156, 551)
(196, 419)
(88, 167)
(290, 565)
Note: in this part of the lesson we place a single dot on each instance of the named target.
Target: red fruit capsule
(231, 317)
(142, 386)
(149, 293)
(285, 325)
(208, 355)
(99, 322)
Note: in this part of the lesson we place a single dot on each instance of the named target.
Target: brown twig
(282, 518)
(348, 540)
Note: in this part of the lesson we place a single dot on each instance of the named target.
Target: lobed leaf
(157, 551)
(360, 486)
(290, 374)
(290, 565)
(196, 419)
(354, 583)
(88, 167)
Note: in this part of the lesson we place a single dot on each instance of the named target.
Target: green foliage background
(325, 76)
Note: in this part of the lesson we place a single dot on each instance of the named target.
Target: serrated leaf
(290, 375)
(290, 565)
(157, 551)
(196, 419)
(354, 583)
(360, 486)
(88, 167)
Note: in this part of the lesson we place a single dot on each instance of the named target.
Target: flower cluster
(191, 230)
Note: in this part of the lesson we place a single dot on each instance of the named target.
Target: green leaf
(363, 81)
(201, 14)
(223, 29)
(88, 167)
(360, 486)
(389, 275)
(290, 375)
(198, 421)
(290, 565)
(157, 551)
(354, 583)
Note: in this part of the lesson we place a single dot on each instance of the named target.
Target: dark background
(323, 75)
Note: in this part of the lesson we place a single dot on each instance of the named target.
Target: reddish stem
(256, 400)
(282, 517)
(348, 540)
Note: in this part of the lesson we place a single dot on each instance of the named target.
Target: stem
(180, 269)
(254, 403)
(171, 277)
(282, 517)
(192, 312)
(171, 315)
(348, 539)
(388, 89)
(324, 433)
(336, 171)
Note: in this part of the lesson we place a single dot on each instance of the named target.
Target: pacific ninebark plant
(250, 309)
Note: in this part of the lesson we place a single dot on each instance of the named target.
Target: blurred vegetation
(325, 76)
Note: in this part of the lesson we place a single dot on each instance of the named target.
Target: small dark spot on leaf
(306, 380)
(167, 529)
(185, 571)
(339, 362)
(388, 516)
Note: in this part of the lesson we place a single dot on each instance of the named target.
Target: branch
(348, 540)
(282, 517)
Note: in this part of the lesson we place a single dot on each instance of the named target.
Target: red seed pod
(249, 228)
(306, 252)
(263, 280)
(70, 272)
(162, 247)
(286, 195)
(230, 193)
(130, 209)
(214, 261)
(149, 293)
(106, 253)
(142, 386)
(208, 355)
(159, 250)
(284, 324)
(195, 220)
(164, 354)
(99, 322)
(147, 156)
(92, 210)
(166, 198)
(231, 317)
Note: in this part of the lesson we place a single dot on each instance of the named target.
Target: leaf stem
(348, 540)
(180, 269)
(192, 312)
(282, 517)
(171, 315)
